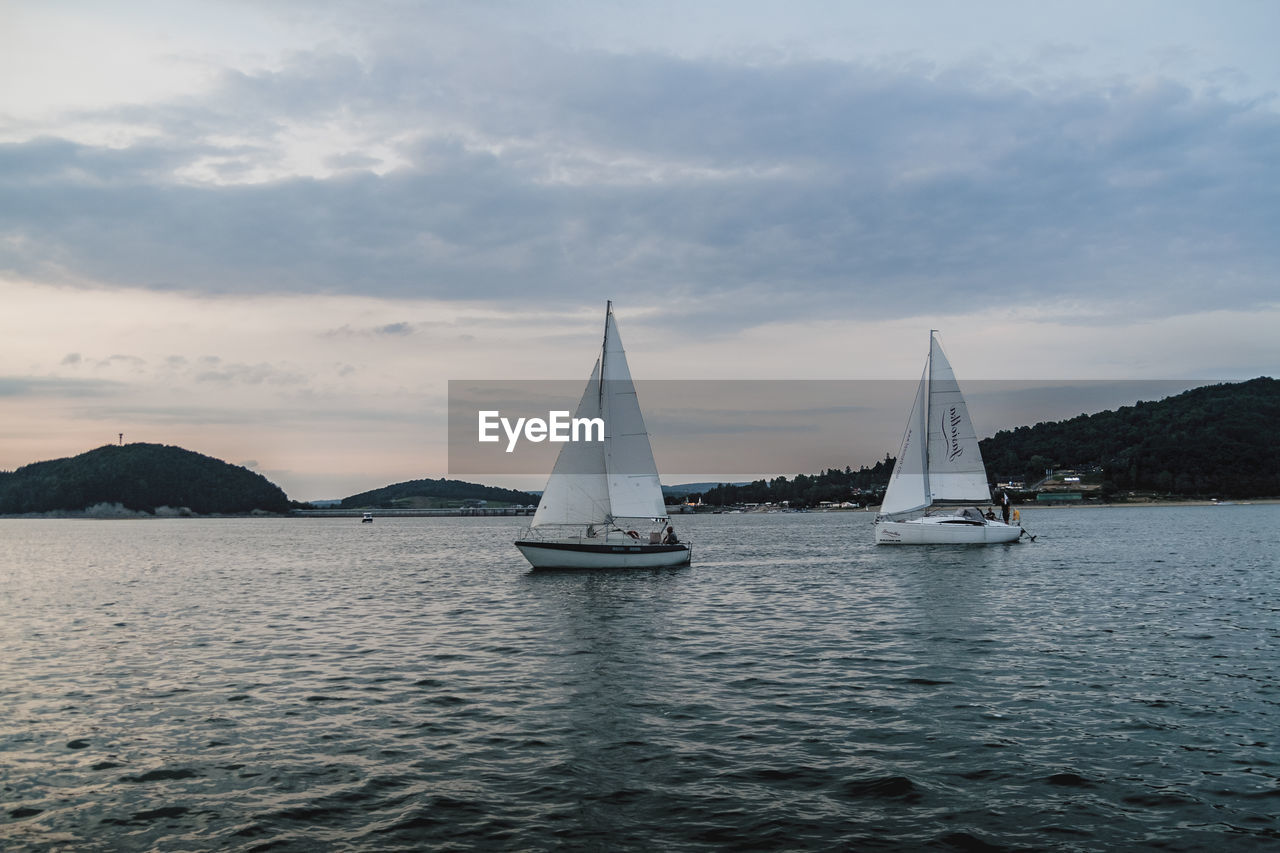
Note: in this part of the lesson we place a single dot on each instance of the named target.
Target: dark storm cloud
(764, 191)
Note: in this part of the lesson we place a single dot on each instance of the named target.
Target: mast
(928, 419)
(604, 353)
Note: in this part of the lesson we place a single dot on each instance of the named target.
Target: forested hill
(141, 477)
(805, 490)
(435, 492)
(1217, 440)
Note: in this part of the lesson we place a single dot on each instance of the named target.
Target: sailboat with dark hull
(603, 505)
(938, 479)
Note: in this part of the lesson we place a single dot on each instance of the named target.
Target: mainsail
(939, 461)
(595, 482)
(956, 472)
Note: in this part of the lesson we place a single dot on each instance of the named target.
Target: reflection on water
(303, 684)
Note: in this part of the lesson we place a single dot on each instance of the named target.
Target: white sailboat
(603, 506)
(939, 477)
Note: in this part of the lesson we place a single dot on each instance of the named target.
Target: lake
(306, 684)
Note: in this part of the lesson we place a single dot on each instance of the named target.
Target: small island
(439, 494)
(134, 480)
(150, 479)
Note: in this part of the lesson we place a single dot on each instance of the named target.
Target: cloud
(251, 374)
(712, 186)
(27, 386)
(120, 360)
(295, 415)
(392, 330)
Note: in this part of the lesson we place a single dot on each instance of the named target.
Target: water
(408, 685)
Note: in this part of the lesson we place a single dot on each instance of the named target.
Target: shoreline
(1020, 506)
(511, 512)
(1146, 503)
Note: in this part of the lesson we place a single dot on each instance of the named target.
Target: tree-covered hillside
(141, 477)
(1217, 440)
(441, 491)
(804, 490)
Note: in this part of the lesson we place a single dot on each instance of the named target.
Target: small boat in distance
(367, 518)
(603, 506)
(938, 476)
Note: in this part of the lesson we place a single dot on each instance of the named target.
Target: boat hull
(933, 531)
(575, 555)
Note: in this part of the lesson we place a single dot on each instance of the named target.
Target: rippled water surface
(298, 685)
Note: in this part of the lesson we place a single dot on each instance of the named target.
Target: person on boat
(670, 538)
(991, 515)
(1004, 506)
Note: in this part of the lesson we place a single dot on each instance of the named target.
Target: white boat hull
(945, 530)
(575, 555)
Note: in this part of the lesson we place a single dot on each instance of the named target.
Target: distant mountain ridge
(436, 490)
(141, 478)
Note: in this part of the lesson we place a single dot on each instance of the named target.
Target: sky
(274, 232)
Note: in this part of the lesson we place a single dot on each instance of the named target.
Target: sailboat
(603, 506)
(939, 477)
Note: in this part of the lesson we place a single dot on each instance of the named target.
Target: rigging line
(604, 349)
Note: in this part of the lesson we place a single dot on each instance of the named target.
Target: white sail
(908, 488)
(634, 488)
(594, 482)
(956, 472)
(576, 491)
(939, 461)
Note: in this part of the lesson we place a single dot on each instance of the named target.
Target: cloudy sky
(272, 232)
